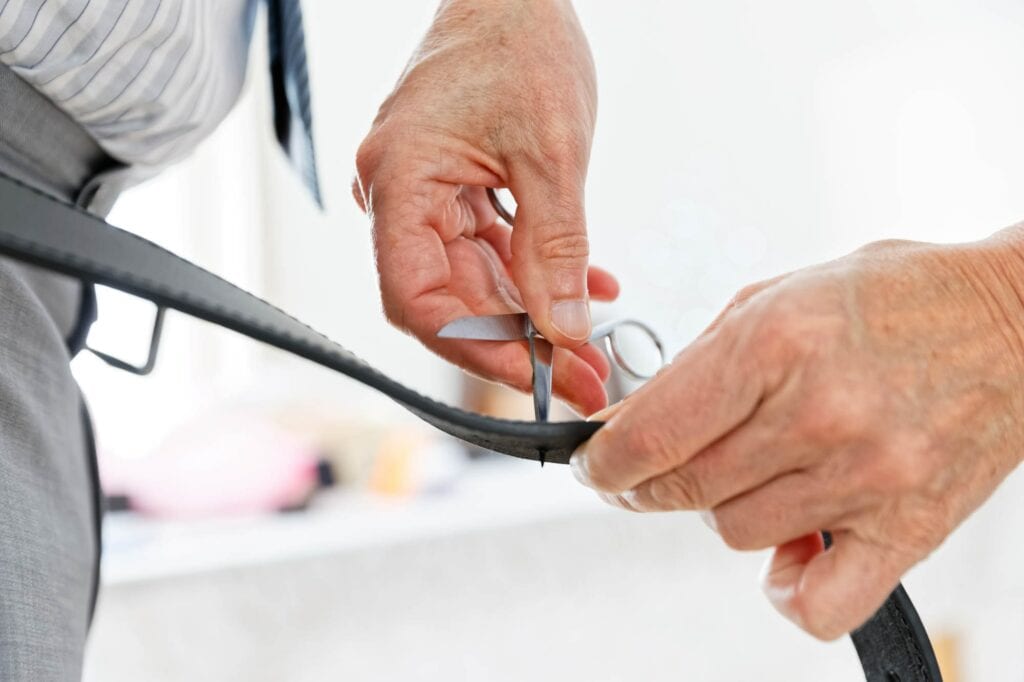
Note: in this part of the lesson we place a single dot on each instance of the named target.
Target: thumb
(828, 592)
(550, 251)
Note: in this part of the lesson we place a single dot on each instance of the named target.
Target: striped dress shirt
(147, 78)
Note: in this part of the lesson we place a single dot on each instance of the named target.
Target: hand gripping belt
(893, 645)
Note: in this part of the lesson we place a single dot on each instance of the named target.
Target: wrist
(996, 265)
(999, 265)
(993, 271)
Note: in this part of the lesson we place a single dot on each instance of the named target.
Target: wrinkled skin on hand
(879, 396)
(501, 93)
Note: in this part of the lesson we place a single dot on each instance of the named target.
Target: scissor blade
(541, 383)
(487, 328)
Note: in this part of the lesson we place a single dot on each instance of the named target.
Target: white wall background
(736, 139)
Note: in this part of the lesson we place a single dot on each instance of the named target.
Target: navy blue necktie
(293, 117)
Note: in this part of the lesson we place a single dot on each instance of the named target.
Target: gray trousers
(49, 511)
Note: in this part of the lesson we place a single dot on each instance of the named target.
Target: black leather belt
(893, 645)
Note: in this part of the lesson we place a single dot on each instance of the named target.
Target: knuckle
(884, 245)
(564, 143)
(566, 245)
(830, 415)
(745, 294)
(902, 464)
(733, 533)
(368, 157)
(563, 153)
(679, 489)
(744, 527)
(778, 331)
(651, 449)
(554, 145)
(905, 474)
(800, 325)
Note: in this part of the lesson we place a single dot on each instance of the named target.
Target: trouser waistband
(45, 148)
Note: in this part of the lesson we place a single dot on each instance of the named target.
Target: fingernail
(629, 500)
(779, 585)
(708, 517)
(571, 318)
(615, 501)
(578, 466)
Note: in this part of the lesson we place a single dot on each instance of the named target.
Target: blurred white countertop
(488, 494)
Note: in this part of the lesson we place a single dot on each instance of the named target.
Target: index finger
(711, 388)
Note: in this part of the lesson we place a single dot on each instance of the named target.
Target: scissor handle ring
(499, 207)
(613, 348)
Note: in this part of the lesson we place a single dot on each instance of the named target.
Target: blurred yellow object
(392, 472)
(349, 443)
(947, 652)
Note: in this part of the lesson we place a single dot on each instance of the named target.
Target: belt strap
(893, 646)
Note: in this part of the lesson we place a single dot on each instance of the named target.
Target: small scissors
(517, 326)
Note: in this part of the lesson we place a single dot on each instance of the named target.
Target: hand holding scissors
(634, 346)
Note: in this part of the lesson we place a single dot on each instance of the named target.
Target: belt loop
(101, 191)
(97, 196)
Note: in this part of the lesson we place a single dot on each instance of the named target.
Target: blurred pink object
(229, 465)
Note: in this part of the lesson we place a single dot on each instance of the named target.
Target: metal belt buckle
(154, 348)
